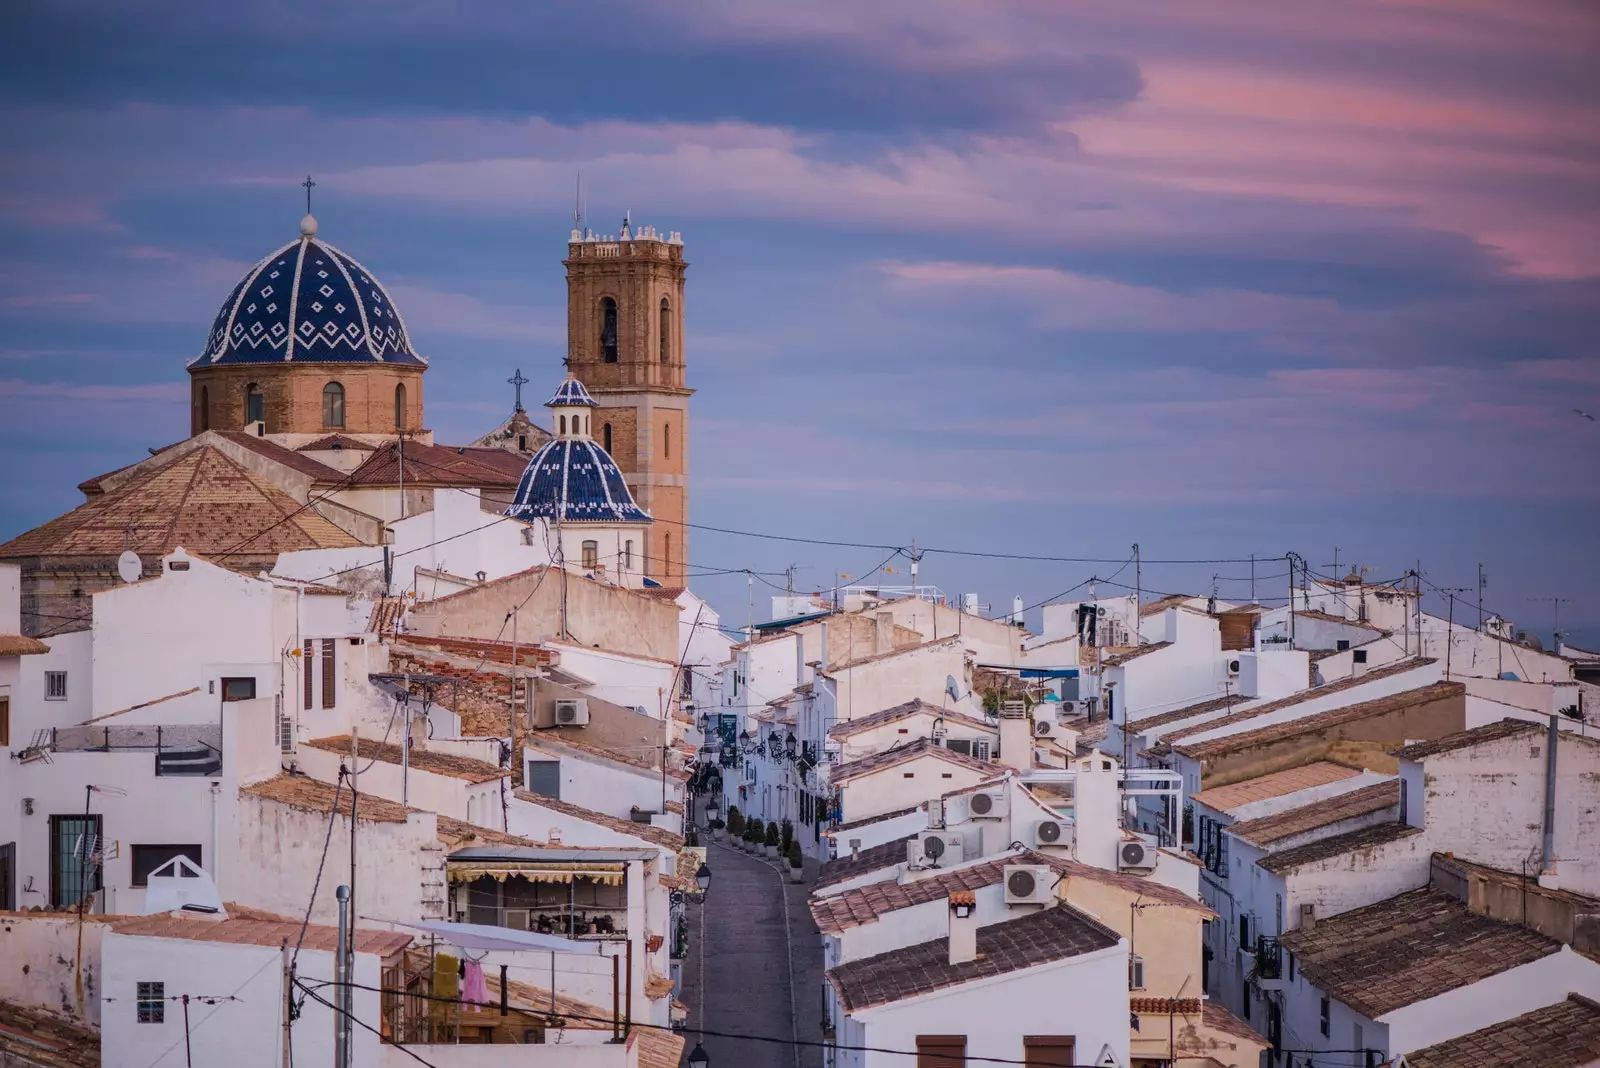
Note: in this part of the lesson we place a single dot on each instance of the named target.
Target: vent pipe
(1547, 843)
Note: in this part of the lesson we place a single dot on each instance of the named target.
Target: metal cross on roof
(307, 185)
(518, 382)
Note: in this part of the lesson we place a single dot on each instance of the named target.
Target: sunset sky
(1036, 278)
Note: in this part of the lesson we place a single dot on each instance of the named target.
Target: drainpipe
(216, 866)
(1547, 844)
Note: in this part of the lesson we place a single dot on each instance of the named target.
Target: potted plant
(735, 825)
(756, 835)
(786, 838)
(771, 840)
(797, 864)
(716, 829)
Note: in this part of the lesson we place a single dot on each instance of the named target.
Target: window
(255, 405)
(1048, 1051)
(328, 676)
(606, 434)
(74, 859)
(152, 1005)
(147, 858)
(1291, 966)
(666, 560)
(563, 424)
(1135, 972)
(627, 553)
(1341, 645)
(204, 420)
(333, 405)
(666, 331)
(1323, 1025)
(1244, 932)
(1358, 656)
(1244, 1000)
(400, 407)
(941, 1051)
(55, 685)
(239, 689)
(608, 330)
(307, 664)
(591, 554)
(5, 721)
(666, 439)
(544, 778)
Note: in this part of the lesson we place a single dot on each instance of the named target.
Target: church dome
(573, 478)
(308, 303)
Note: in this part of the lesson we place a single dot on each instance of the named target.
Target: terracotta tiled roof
(435, 465)
(1215, 1015)
(31, 1037)
(277, 453)
(659, 1049)
(1346, 806)
(1563, 1035)
(459, 767)
(1210, 704)
(1171, 600)
(893, 757)
(1041, 937)
(386, 615)
(874, 858)
(300, 791)
(643, 831)
(21, 645)
(1118, 659)
(914, 707)
(1332, 717)
(865, 904)
(337, 441)
(1328, 617)
(202, 501)
(1408, 948)
(867, 821)
(1338, 845)
(1489, 732)
(258, 933)
(1311, 694)
(904, 650)
(1239, 794)
(1166, 1006)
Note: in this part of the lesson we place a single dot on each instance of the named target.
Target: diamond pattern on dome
(311, 303)
(578, 479)
(570, 393)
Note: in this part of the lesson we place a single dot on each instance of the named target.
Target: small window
(1359, 656)
(1342, 644)
(400, 406)
(255, 404)
(1048, 1051)
(204, 421)
(544, 778)
(605, 432)
(1323, 1027)
(152, 1005)
(608, 329)
(522, 443)
(667, 552)
(239, 689)
(1244, 1000)
(333, 406)
(147, 858)
(666, 331)
(563, 424)
(55, 685)
(329, 678)
(5, 730)
(667, 441)
(308, 669)
(1135, 972)
(591, 554)
(627, 553)
(1291, 967)
(941, 1051)
(1244, 932)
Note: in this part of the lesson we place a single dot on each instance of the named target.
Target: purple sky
(1020, 277)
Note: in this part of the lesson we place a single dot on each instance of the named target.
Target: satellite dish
(951, 688)
(129, 566)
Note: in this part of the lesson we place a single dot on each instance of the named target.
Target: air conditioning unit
(936, 814)
(1233, 668)
(933, 849)
(1043, 728)
(988, 805)
(572, 712)
(1028, 884)
(1135, 855)
(1050, 833)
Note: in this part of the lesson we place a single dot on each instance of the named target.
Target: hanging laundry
(474, 989)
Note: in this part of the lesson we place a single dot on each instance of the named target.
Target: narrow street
(738, 978)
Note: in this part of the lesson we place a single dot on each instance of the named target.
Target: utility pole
(288, 1000)
(1291, 558)
(1138, 595)
(1252, 578)
(1483, 580)
(511, 727)
(341, 981)
(1450, 627)
(1555, 621)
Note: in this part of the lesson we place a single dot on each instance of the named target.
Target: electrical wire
(327, 840)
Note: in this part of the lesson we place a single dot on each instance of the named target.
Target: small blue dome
(577, 479)
(571, 394)
(308, 303)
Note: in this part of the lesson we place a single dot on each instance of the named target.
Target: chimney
(855, 848)
(1016, 736)
(963, 926)
(1547, 843)
(824, 657)
(799, 659)
(883, 633)
(1308, 916)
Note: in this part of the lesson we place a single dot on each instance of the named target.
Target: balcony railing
(1269, 958)
(182, 749)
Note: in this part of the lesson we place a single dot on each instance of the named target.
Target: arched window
(627, 553)
(606, 431)
(666, 331)
(666, 441)
(608, 329)
(333, 405)
(255, 405)
(203, 422)
(666, 555)
(400, 406)
(563, 424)
(591, 554)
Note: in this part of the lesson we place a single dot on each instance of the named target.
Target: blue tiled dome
(571, 393)
(308, 302)
(577, 479)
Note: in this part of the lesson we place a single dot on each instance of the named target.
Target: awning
(608, 874)
(1049, 673)
(483, 936)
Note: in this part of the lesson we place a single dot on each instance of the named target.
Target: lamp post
(698, 1058)
(789, 744)
(702, 877)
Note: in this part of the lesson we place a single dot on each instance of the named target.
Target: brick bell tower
(625, 343)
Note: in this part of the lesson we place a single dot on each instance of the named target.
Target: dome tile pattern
(577, 480)
(308, 302)
(571, 392)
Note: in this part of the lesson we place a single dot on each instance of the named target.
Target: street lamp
(702, 877)
(789, 744)
(698, 1058)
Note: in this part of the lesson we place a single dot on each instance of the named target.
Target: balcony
(1269, 963)
(193, 749)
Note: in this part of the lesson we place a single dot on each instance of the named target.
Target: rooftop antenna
(577, 204)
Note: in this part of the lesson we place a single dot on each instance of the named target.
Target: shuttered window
(1047, 1051)
(307, 669)
(941, 1051)
(328, 676)
(544, 778)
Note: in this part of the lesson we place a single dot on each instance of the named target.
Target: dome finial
(308, 226)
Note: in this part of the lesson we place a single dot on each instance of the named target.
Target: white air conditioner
(1233, 668)
(936, 814)
(1028, 884)
(933, 849)
(980, 748)
(987, 805)
(1051, 833)
(1043, 728)
(572, 712)
(1135, 855)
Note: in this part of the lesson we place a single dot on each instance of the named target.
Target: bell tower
(625, 342)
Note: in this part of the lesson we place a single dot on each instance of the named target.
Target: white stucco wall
(902, 786)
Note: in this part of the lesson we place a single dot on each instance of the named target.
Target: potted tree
(716, 826)
(754, 836)
(797, 864)
(786, 838)
(735, 825)
(772, 839)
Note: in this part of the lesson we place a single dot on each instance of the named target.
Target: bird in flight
(1586, 415)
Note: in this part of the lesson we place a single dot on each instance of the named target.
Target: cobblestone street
(738, 978)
